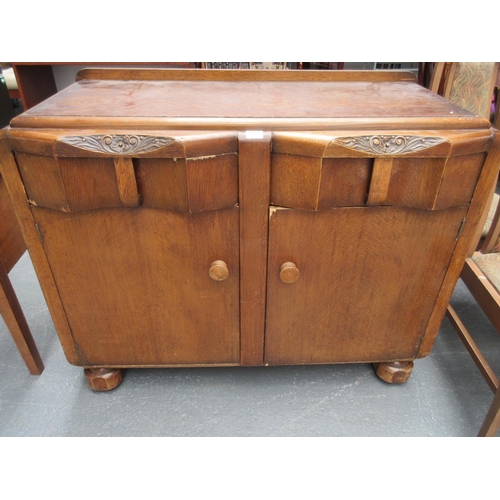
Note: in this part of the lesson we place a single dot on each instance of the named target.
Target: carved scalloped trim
(388, 144)
(117, 144)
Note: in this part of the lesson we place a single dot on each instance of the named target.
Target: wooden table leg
(11, 311)
(492, 421)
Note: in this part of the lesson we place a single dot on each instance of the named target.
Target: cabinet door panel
(367, 281)
(136, 288)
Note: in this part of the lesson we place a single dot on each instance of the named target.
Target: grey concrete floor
(445, 395)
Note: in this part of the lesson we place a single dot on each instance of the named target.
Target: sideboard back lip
(159, 74)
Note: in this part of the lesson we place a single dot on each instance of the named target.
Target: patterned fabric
(491, 214)
(489, 264)
(496, 248)
(471, 87)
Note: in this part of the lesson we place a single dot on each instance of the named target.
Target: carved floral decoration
(388, 144)
(118, 144)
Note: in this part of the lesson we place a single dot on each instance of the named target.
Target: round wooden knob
(289, 272)
(218, 270)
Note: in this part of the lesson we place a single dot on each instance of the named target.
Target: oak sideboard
(234, 218)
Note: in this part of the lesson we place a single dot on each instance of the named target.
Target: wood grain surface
(72, 184)
(254, 179)
(247, 100)
(204, 100)
(14, 318)
(380, 180)
(127, 184)
(12, 245)
(158, 74)
(136, 287)
(488, 177)
(369, 278)
(31, 236)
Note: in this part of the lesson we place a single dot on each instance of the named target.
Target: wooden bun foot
(397, 372)
(103, 379)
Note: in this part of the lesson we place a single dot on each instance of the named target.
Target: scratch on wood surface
(32, 202)
(272, 210)
(202, 158)
(209, 156)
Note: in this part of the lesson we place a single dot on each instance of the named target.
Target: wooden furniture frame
(472, 85)
(12, 247)
(477, 278)
(254, 218)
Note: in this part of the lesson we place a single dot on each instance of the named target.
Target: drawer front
(430, 173)
(310, 183)
(73, 184)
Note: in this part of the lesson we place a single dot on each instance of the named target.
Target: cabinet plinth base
(396, 372)
(103, 379)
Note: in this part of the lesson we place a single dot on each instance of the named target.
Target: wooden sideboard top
(239, 100)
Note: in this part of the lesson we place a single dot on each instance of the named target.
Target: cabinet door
(131, 243)
(366, 285)
(136, 288)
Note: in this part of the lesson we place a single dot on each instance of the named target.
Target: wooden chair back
(12, 244)
(468, 84)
